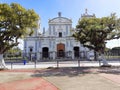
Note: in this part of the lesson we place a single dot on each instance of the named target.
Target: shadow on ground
(109, 70)
(75, 71)
(71, 72)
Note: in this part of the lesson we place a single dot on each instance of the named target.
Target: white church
(55, 42)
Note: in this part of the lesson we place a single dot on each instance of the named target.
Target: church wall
(30, 44)
(58, 33)
(44, 43)
(54, 29)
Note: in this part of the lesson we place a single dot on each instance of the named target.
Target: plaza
(61, 79)
(64, 47)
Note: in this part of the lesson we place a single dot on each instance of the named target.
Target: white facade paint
(56, 42)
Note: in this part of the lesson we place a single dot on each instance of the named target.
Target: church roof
(86, 15)
(60, 19)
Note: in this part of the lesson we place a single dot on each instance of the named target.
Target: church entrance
(60, 50)
(76, 52)
(45, 52)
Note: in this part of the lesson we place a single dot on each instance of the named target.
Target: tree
(13, 52)
(94, 32)
(15, 22)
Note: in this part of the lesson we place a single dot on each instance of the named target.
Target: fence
(59, 63)
(66, 61)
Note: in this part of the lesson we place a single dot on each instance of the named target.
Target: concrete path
(82, 78)
(112, 77)
(83, 82)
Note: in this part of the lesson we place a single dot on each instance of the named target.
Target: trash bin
(24, 62)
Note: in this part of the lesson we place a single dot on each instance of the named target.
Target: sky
(48, 9)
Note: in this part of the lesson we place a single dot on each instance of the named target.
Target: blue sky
(48, 9)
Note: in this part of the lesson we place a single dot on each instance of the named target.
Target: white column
(73, 55)
(53, 55)
(38, 56)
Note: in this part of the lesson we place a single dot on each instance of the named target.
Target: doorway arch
(45, 52)
(60, 50)
(76, 51)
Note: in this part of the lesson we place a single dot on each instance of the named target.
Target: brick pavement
(28, 84)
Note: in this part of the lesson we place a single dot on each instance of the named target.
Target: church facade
(56, 42)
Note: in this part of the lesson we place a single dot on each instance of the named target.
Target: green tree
(94, 32)
(15, 22)
(15, 52)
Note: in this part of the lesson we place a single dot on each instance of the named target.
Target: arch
(45, 52)
(60, 50)
(76, 51)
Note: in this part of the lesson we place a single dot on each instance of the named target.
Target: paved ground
(83, 82)
(28, 84)
(112, 77)
(82, 78)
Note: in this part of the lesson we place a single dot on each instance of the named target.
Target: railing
(66, 56)
(66, 61)
(58, 63)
